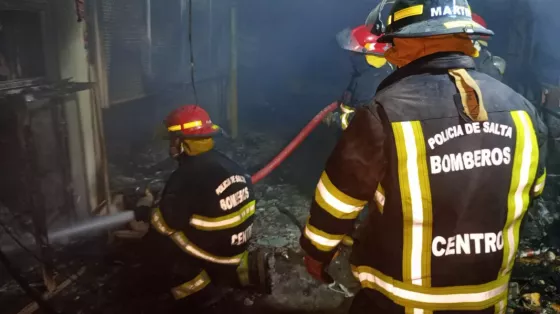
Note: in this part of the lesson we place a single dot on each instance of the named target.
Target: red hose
(287, 151)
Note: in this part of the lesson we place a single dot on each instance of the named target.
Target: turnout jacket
(446, 194)
(207, 208)
(485, 64)
(361, 89)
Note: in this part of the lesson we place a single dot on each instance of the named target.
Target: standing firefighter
(486, 62)
(205, 216)
(369, 68)
(453, 156)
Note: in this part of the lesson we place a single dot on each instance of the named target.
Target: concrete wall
(84, 145)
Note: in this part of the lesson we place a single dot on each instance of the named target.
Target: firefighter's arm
(541, 132)
(347, 113)
(351, 176)
(173, 210)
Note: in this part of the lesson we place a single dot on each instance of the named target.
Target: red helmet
(191, 121)
(361, 40)
(479, 20)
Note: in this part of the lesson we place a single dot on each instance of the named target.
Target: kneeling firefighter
(369, 69)
(457, 157)
(205, 216)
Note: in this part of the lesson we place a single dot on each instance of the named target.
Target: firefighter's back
(223, 203)
(456, 190)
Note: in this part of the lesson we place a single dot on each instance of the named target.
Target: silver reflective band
(432, 298)
(335, 202)
(181, 240)
(321, 240)
(225, 222)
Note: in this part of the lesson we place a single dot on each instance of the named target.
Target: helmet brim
(348, 42)
(435, 27)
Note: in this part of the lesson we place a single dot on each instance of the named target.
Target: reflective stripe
(224, 222)
(380, 198)
(185, 126)
(455, 24)
(416, 205)
(408, 12)
(159, 224)
(500, 308)
(321, 240)
(243, 270)
(335, 201)
(525, 161)
(190, 287)
(344, 120)
(459, 298)
(181, 240)
(346, 109)
(539, 184)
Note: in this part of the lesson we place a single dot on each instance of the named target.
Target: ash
(104, 271)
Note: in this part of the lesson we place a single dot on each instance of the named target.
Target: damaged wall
(83, 131)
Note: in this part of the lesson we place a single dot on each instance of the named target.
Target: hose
(288, 150)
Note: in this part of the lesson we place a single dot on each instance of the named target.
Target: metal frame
(41, 7)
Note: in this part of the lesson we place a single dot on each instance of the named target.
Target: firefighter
(205, 217)
(452, 156)
(486, 62)
(368, 64)
(369, 69)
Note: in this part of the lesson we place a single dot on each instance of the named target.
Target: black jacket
(450, 193)
(207, 208)
(485, 64)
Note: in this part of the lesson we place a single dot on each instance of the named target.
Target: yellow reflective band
(344, 120)
(181, 240)
(346, 109)
(456, 298)
(174, 128)
(224, 222)
(192, 124)
(455, 24)
(416, 202)
(539, 184)
(379, 198)
(321, 240)
(500, 307)
(185, 126)
(335, 201)
(525, 161)
(159, 224)
(483, 42)
(243, 270)
(190, 287)
(408, 12)
(389, 20)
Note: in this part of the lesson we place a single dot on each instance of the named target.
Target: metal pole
(149, 33)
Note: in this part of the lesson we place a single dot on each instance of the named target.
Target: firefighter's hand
(317, 270)
(143, 209)
(331, 118)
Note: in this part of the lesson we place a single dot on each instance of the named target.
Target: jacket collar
(435, 63)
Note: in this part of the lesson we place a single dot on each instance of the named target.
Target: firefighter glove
(143, 211)
(317, 270)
